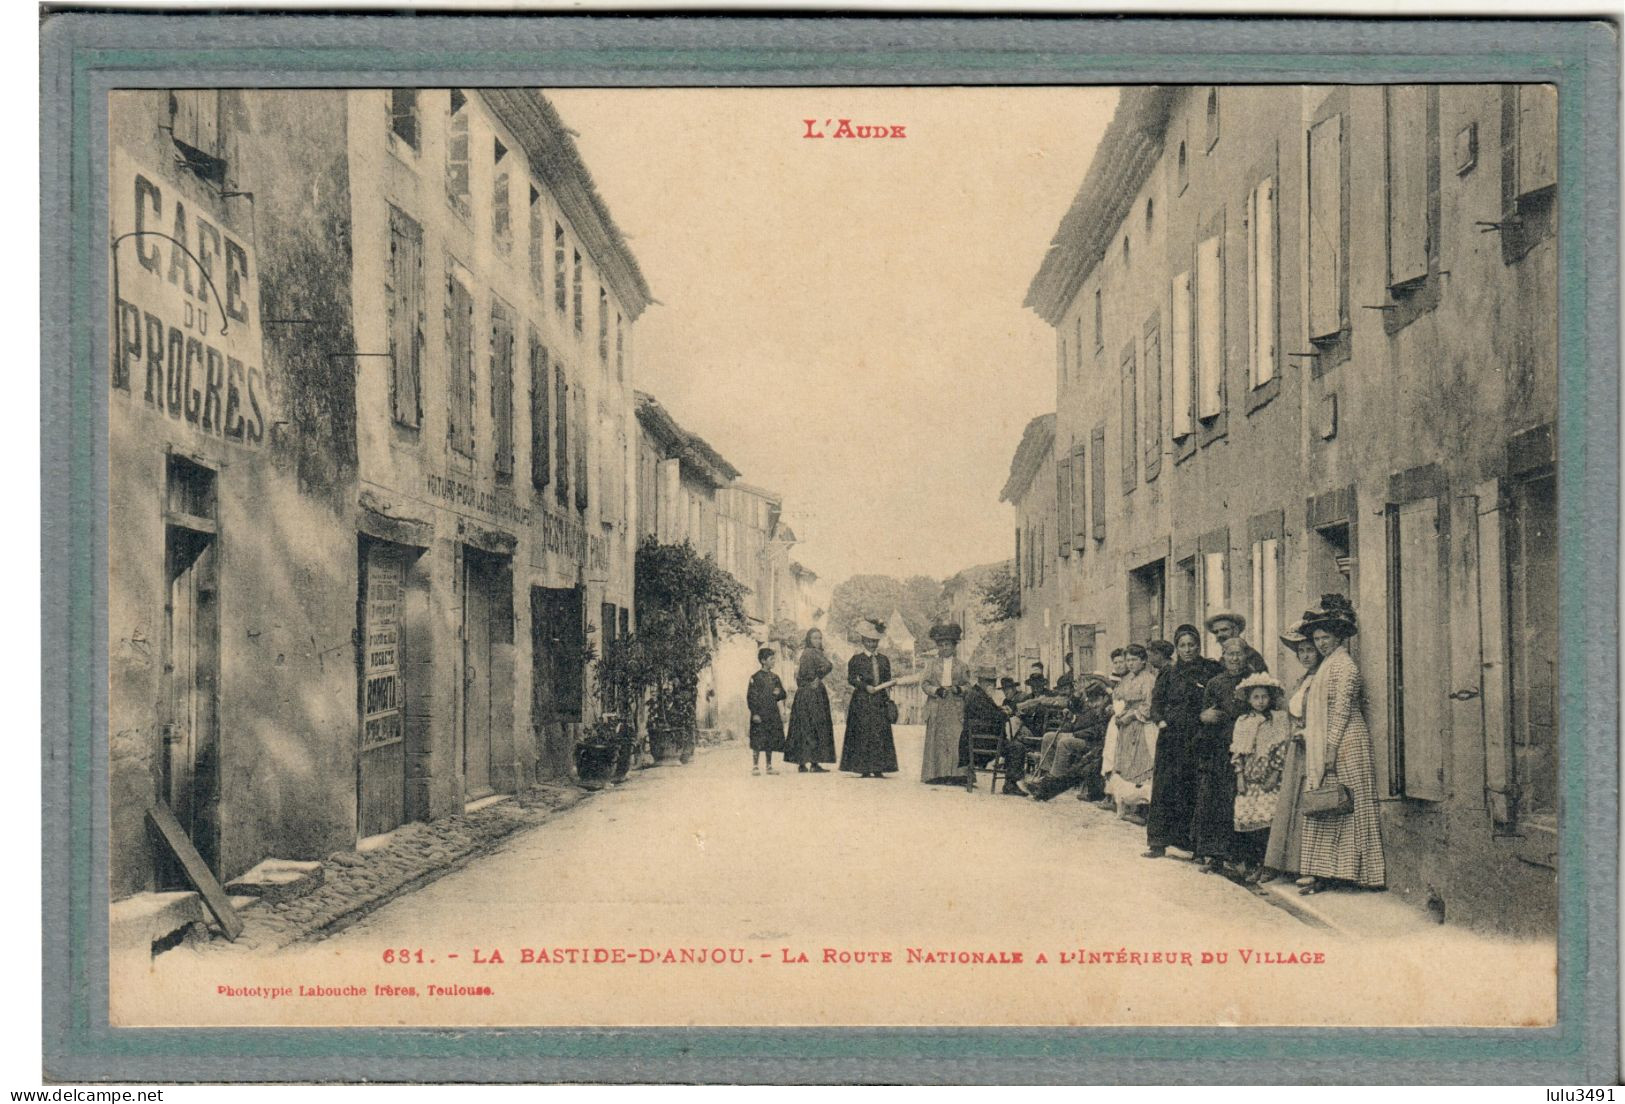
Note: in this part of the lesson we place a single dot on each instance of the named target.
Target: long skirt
(1173, 791)
(1286, 835)
(944, 724)
(1130, 781)
(868, 747)
(1213, 828)
(812, 733)
(1349, 845)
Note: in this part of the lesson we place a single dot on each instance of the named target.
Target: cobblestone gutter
(357, 882)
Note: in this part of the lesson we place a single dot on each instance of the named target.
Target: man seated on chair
(1070, 756)
(983, 717)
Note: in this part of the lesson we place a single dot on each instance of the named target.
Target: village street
(707, 861)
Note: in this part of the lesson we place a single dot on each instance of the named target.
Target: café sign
(186, 332)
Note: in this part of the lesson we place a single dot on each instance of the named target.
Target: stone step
(278, 880)
(136, 923)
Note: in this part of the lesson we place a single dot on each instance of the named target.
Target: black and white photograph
(999, 556)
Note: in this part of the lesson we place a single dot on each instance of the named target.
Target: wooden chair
(985, 754)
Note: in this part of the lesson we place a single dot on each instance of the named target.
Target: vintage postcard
(1007, 556)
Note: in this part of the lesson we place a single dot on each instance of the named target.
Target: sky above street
(841, 317)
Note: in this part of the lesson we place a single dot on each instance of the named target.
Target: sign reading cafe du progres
(186, 336)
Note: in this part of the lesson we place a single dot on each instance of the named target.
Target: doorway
(1532, 571)
(558, 637)
(190, 761)
(483, 576)
(381, 770)
(1147, 601)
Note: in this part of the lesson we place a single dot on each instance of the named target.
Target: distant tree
(925, 603)
(1001, 596)
(919, 599)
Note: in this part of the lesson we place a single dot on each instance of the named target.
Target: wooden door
(190, 764)
(476, 676)
(381, 771)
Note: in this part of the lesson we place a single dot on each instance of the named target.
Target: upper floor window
(501, 204)
(404, 123)
(196, 129)
(603, 326)
(1182, 170)
(1263, 299)
(457, 170)
(1179, 354)
(538, 242)
(1209, 301)
(560, 292)
(460, 364)
(405, 315)
(620, 349)
(575, 290)
(1406, 108)
(1149, 209)
(1328, 234)
(502, 354)
(1100, 323)
(1212, 117)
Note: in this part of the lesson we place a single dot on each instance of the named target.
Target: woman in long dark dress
(812, 733)
(1178, 710)
(1213, 827)
(868, 749)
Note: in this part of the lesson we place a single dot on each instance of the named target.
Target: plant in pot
(683, 598)
(624, 676)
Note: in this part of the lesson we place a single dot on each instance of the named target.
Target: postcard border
(84, 55)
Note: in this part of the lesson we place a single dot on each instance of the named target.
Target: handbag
(1326, 799)
(891, 711)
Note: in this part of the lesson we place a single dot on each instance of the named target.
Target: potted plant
(623, 676)
(596, 752)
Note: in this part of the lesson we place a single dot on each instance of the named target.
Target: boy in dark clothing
(766, 725)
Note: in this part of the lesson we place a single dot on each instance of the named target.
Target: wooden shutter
(460, 365)
(1129, 422)
(1097, 481)
(1537, 137)
(582, 500)
(1080, 498)
(1063, 505)
(1422, 658)
(405, 317)
(1265, 625)
(457, 179)
(1179, 353)
(1263, 304)
(502, 389)
(561, 442)
(541, 418)
(1152, 372)
(1326, 227)
(1407, 115)
(1209, 286)
(1499, 777)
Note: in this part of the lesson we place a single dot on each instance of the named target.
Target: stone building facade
(1306, 343)
(371, 484)
(1031, 490)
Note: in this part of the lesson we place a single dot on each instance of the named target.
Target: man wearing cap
(1226, 626)
(1071, 755)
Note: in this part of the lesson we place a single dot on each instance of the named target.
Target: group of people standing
(1255, 780)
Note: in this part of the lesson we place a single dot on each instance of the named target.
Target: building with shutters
(1031, 489)
(1305, 342)
(373, 493)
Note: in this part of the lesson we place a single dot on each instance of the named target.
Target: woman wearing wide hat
(812, 733)
(946, 679)
(1286, 830)
(1342, 837)
(868, 749)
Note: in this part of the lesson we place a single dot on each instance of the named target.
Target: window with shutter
(620, 350)
(582, 498)
(1079, 498)
(1128, 422)
(403, 116)
(1265, 623)
(406, 322)
(1215, 590)
(1100, 323)
(1326, 241)
(1097, 482)
(603, 327)
(538, 243)
(460, 364)
(1209, 328)
(561, 439)
(1063, 505)
(1536, 138)
(560, 291)
(1418, 653)
(502, 332)
(1406, 111)
(1263, 303)
(501, 201)
(457, 155)
(1153, 400)
(1179, 354)
(577, 307)
(541, 416)
(1076, 366)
